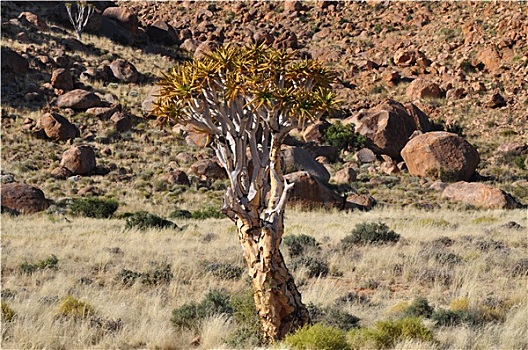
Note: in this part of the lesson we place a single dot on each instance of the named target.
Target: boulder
(78, 99)
(61, 79)
(80, 160)
(442, 155)
(57, 128)
(23, 198)
(292, 6)
(208, 170)
(124, 71)
(406, 58)
(495, 101)
(387, 125)
(513, 148)
(115, 32)
(122, 121)
(60, 173)
(490, 58)
(12, 61)
(298, 159)
(177, 177)
(366, 155)
(421, 120)
(479, 195)
(421, 88)
(345, 175)
(315, 131)
(148, 103)
(205, 47)
(309, 192)
(162, 32)
(34, 20)
(360, 201)
(123, 17)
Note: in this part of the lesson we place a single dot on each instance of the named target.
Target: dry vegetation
(480, 264)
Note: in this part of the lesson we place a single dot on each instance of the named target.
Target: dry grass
(92, 252)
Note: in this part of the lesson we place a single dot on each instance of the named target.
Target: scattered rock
(23, 198)
(514, 148)
(479, 195)
(345, 175)
(124, 71)
(78, 99)
(61, 173)
(490, 58)
(360, 201)
(442, 155)
(495, 101)
(177, 177)
(315, 131)
(297, 159)
(80, 160)
(421, 88)
(61, 79)
(148, 103)
(12, 61)
(123, 17)
(122, 122)
(115, 32)
(366, 155)
(438, 186)
(309, 192)
(208, 170)
(162, 32)
(90, 190)
(34, 20)
(57, 128)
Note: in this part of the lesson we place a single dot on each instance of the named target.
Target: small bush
(143, 220)
(188, 315)
(157, 276)
(298, 244)
(49, 263)
(248, 333)
(8, 314)
(206, 213)
(369, 233)
(317, 336)
(419, 308)
(343, 137)
(94, 207)
(180, 214)
(333, 317)
(224, 270)
(386, 334)
(315, 267)
(73, 308)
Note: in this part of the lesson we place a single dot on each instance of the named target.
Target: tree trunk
(277, 299)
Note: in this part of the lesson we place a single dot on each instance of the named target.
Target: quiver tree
(80, 17)
(247, 99)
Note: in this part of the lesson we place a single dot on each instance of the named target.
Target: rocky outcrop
(479, 195)
(80, 160)
(23, 198)
(440, 155)
(309, 192)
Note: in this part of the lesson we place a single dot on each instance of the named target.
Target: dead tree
(79, 18)
(247, 99)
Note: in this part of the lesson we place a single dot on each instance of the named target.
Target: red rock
(421, 88)
(34, 20)
(490, 58)
(298, 159)
(61, 79)
(80, 160)
(208, 169)
(177, 177)
(479, 195)
(124, 71)
(23, 198)
(360, 201)
(122, 121)
(309, 193)
(57, 128)
(61, 173)
(78, 99)
(345, 175)
(124, 17)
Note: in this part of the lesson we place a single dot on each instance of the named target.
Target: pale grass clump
(91, 253)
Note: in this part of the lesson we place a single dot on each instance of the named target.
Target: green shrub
(315, 267)
(188, 315)
(180, 214)
(157, 276)
(248, 333)
(369, 233)
(94, 207)
(419, 308)
(333, 317)
(298, 244)
(317, 336)
(224, 270)
(343, 137)
(386, 334)
(49, 263)
(143, 220)
(7, 313)
(449, 318)
(206, 213)
(73, 308)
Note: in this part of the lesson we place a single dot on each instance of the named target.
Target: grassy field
(68, 282)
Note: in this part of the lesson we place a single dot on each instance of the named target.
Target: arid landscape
(407, 225)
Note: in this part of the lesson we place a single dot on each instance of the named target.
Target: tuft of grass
(71, 307)
(8, 314)
(333, 317)
(317, 336)
(206, 213)
(248, 333)
(49, 263)
(223, 270)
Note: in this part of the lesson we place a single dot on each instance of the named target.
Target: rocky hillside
(450, 76)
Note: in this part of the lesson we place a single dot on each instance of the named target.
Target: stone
(360, 201)
(124, 71)
(205, 47)
(495, 101)
(420, 118)
(292, 6)
(12, 61)
(90, 191)
(208, 170)
(438, 186)
(162, 32)
(61, 79)
(345, 175)
(387, 125)
(123, 17)
(57, 128)
(421, 88)
(149, 102)
(78, 99)
(406, 58)
(122, 122)
(315, 131)
(103, 113)
(23, 198)
(490, 58)
(366, 155)
(80, 160)
(479, 195)
(514, 148)
(177, 177)
(115, 32)
(441, 155)
(61, 173)
(309, 192)
(297, 159)
(34, 20)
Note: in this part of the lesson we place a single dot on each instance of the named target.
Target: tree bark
(277, 299)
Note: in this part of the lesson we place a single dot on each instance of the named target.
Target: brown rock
(366, 155)
(496, 101)
(148, 103)
(208, 169)
(13, 62)
(298, 159)
(309, 193)
(61, 173)
(388, 126)
(122, 121)
(421, 88)
(345, 175)
(103, 113)
(90, 191)
(124, 71)
(479, 195)
(205, 47)
(61, 79)
(490, 58)
(122, 16)
(80, 160)
(441, 155)
(420, 118)
(162, 32)
(292, 6)
(23, 198)
(406, 58)
(57, 128)
(514, 148)
(360, 201)
(112, 30)
(177, 177)
(35, 20)
(315, 131)
(78, 99)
